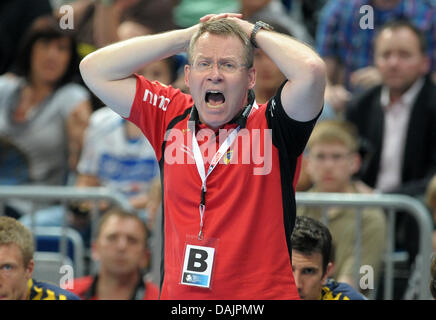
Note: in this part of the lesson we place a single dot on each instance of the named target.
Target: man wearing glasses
(228, 165)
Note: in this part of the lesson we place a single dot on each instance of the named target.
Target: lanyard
(200, 166)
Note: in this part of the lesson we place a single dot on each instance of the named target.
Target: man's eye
(228, 66)
(203, 64)
(308, 271)
(111, 237)
(6, 267)
(320, 157)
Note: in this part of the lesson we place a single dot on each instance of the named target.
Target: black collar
(138, 293)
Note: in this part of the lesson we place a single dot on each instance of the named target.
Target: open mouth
(214, 99)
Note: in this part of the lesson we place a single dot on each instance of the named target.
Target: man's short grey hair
(223, 27)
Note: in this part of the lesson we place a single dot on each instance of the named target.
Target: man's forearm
(122, 59)
(294, 59)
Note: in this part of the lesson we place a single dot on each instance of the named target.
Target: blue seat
(49, 240)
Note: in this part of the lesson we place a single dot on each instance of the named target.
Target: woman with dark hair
(42, 112)
(43, 33)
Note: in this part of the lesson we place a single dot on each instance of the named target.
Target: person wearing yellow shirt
(16, 266)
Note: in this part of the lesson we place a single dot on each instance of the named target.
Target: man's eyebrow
(13, 263)
(226, 58)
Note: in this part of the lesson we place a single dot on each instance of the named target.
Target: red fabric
(82, 285)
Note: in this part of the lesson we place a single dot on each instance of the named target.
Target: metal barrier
(358, 201)
(64, 195)
(391, 203)
(53, 193)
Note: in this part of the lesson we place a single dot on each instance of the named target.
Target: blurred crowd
(376, 134)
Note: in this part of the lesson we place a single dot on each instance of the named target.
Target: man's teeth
(214, 106)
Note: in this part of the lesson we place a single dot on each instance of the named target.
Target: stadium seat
(49, 257)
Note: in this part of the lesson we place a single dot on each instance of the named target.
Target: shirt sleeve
(154, 106)
(288, 135)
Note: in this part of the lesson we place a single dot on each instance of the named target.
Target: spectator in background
(115, 155)
(396, 119)
(118, 156)
(430, 201)
(96, 24)
(396, 123)
(121, 250)
(43, 114)
(312, 263)
(16, 266)
(346, 44)
(332, 161)
(16, 16)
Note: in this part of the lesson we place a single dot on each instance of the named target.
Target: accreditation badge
(198, 263)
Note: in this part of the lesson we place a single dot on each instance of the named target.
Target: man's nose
(215, 73)
(393, 60)
(122, 243)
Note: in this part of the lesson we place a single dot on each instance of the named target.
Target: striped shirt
(333, 290)
(37, 290)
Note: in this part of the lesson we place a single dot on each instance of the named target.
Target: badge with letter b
(197, 266)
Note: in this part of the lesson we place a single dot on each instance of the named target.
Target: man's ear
(251, 78)
(187, 70)
(329, 271)
(29, 269)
